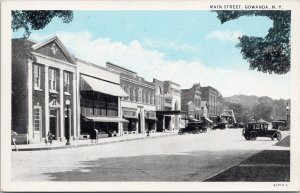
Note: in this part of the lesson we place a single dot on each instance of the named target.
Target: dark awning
(130, 117)
(175, 112)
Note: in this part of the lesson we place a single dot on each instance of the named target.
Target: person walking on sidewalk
(50, 137)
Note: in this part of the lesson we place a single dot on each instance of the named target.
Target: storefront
(100, 101)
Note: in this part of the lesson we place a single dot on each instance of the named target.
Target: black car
(238, 125)
(280, 125)
(253, 130)
(221, 125)
(194, 128)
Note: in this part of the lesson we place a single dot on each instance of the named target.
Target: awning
(108, 119)
(130, 117)
(152, 118)
(89, 83)
(175, 112)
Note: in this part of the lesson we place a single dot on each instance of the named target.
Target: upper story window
(52, 80)
(140, 92)
(37, 77)
(67, 82)
(152, 99)
(128, 92)
(133, 95)
(149, 98)
(144, 97)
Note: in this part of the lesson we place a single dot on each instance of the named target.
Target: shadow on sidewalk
(265, 166)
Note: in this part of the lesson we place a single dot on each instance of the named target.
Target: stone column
(47, 118)
(30, 109)
(74, 105)
(61, 99)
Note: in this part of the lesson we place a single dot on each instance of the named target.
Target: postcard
(150, 95)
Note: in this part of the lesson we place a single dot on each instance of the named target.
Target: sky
(186, 47)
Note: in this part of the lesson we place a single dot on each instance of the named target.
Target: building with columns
(139, 107)
(52, 91)
(43, 89)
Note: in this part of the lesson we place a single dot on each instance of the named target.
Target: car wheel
(253, 136)
(204, 130)
(272, 138)
(278, 136)
(247, 137)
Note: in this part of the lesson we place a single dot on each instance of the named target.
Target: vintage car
(194, 127)
(238, 125)
(221, 125)
(253, 130)
(280, 125)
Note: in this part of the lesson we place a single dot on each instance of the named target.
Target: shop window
(37, 77)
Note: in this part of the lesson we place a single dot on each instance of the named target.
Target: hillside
(247, 108)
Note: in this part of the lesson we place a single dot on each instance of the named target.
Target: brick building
(191, 101)
(168, 105)
(139, 107)
(212, 99)
(43, 88)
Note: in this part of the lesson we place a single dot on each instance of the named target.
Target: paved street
(173, 158)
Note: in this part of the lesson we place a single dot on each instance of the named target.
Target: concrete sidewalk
(270, 165)
(88, 142)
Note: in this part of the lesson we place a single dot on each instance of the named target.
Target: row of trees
(265, 108)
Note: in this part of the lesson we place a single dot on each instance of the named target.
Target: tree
(270, 54)
(36, 20)
(263, 110)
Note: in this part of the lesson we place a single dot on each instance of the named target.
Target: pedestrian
(50, 137)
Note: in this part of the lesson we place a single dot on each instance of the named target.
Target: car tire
(278, 136)
(253, 136)
(247, 137)
(204, 130)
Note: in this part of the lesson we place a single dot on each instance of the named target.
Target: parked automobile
(221, 125)
(280, 125)
(253, 130)
(238, 125)
(194, 128)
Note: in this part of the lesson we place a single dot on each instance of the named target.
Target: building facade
(100, 100)
(168, 105)
(139, 107)
(43, 90)
(212, 99)
(191, 101)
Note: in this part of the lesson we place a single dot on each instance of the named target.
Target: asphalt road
(174, 158)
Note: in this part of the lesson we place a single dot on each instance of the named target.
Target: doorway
(53, 122)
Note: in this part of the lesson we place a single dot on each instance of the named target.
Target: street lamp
(68, 136)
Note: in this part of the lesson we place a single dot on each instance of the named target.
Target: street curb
(91, 144)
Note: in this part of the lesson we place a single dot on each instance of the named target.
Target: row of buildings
(53, 91)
